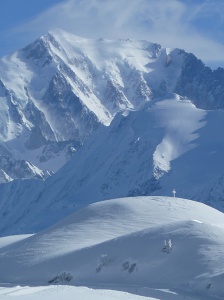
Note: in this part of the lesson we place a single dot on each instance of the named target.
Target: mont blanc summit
(57, 91)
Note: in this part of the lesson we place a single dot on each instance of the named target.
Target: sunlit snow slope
(118, 243)
(58, 292)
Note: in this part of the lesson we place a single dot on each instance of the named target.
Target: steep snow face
(62, 87)
(179, 136)
(120, 242)
(105, 76)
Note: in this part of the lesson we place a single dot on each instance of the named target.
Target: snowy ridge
(120, 243)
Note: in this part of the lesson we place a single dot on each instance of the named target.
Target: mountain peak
(58, 32)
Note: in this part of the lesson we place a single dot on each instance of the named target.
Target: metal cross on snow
(174, 193)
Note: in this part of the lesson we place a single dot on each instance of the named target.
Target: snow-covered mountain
(126, 113)
(119, 244)
(56, 92)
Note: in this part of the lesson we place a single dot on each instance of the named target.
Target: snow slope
(70, 292)
(118, 244)
(168, 144)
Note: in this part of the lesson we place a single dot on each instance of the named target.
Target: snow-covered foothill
(119, 243)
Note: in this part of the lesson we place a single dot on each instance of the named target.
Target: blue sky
(194, 25)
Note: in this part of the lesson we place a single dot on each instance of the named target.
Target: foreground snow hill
(71, 293)
(119, 244)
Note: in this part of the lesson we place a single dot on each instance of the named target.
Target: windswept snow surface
(117, 244)
(60, 292)
(179, 135)
(9, 240)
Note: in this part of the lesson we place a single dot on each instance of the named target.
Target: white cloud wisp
(172, 23)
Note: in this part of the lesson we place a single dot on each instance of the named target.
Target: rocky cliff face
(205, 87)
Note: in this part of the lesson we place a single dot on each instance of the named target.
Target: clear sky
(193, 25)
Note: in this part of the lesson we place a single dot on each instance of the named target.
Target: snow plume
(173, 23)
